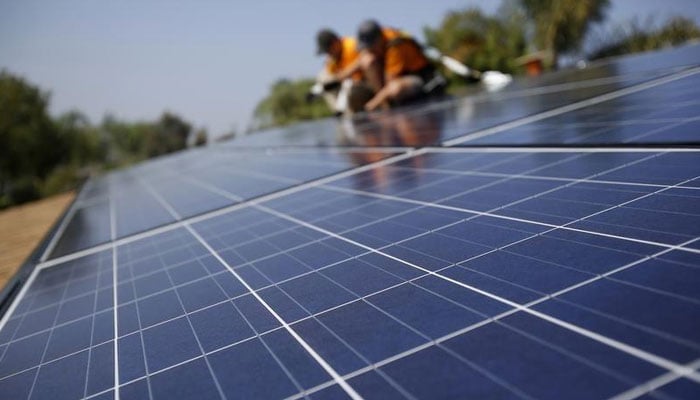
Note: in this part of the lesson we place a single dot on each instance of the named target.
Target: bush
(61, 179)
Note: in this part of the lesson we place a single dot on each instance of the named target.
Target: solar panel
(549, 249)
(162, 192)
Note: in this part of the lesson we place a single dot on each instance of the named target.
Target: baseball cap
(324, 40)
(368, 33)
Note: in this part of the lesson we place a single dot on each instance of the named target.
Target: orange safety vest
(348, 55)
(403, 55)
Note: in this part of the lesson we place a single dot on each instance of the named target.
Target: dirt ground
(22, 227)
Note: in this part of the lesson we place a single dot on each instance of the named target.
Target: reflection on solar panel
(542, 242)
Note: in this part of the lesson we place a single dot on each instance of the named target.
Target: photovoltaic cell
(284, 269)
(166, 191)
(63, 324)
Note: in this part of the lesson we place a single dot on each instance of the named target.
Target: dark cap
(368, 33)
(325, 39)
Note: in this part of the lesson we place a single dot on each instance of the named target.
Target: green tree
(84, 146)
(481, 41)
(30, 144)
(126, 140)
(637, 37)
(168, 134)
(286, 103)
(561, 25)
(42, 156)
(83, 154)
(135, 141)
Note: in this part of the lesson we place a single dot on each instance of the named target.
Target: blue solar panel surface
(379, 267)
(162, 192)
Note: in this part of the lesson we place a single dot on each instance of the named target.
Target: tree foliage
(287, 103)
(481, 41)
(636, 37)
(24, 128)
(560, 26)
(169, 134)
(40, 155)
(84, 145)
(131, 142)
(30, 144)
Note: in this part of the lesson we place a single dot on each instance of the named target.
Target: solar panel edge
(20, 278)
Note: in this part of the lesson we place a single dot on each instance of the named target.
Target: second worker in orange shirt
(393, 64)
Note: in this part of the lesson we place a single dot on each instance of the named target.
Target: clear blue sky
(210, 61)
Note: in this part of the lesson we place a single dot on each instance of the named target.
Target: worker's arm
(393, 65)
(381, 99)
(348, 71)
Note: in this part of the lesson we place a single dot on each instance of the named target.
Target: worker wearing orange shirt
(341, 71)
(342, 53)
(393, 64)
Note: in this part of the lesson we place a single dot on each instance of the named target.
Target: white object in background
(495, 80)
(449, 62)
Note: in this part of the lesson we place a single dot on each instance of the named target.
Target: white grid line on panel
(644, 355)
(310, 350)
(653, 384)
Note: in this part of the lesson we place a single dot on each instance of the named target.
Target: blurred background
(88, 86)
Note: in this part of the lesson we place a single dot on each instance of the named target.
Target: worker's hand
(372, 105)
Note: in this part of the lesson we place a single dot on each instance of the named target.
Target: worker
(393, 64)
(342, 53)
(340, 73)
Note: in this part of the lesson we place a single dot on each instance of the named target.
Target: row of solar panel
(667, 113)
(393, 277)
(138, 202)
